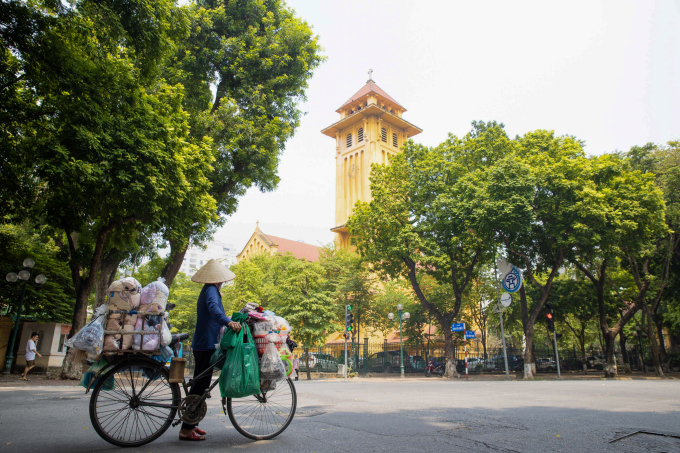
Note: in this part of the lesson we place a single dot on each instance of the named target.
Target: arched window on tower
(349, 140)
(383, 134)
(360, 135)
(395, 141)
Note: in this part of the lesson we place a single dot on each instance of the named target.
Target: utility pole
(500, 314)
(345, 371)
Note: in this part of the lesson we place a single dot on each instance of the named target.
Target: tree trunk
(309, 374)
(584, 361)
(652, 340)
(610, 370)
(104, 278)
(662, 344)
(529, 362)
(74, 365)
(624, 353)
(449, 351)
(75, 361)
(174, 263)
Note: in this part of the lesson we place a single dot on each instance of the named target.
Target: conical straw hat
(213, 272)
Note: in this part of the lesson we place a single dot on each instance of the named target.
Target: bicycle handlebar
(178, 338)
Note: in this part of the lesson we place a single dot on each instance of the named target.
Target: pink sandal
(193, 436)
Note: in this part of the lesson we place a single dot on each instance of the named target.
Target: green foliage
(51, 302)
(259, 56)
(349, 281)
(300, 296)
(429, 218)
(150, 271)
(294, 289)
(184, 294)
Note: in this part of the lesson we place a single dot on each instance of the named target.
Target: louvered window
(395, 143)
(383, 133)
(360, 135)
(349, 140)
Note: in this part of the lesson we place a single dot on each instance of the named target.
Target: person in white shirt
(30, 355)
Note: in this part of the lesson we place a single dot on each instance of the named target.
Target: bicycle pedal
(176, 422)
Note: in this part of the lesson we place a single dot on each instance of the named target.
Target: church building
(260, 242)
(371, 129)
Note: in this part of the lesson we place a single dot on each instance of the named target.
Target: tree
(536, 188)
(111, 151)
(259, 56)
(664, 163)
(424, 219)
(301, 298)
(575, 306)
(349, 282)
(53, 301)
(621, 217)
(479, 299)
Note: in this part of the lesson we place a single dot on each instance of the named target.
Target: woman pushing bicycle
(210, 318)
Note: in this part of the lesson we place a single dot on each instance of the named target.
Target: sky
(605, 72)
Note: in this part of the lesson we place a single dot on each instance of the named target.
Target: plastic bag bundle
(219, 336)
(111, 343)
(153, 320)
(125, 294)
(137, 339)
(91, 337)
(240, 375)
(287, 359)
(165, 353)
(271, 365)
(166, 336)
(261, 328)
(148, 294)
(282, 324)
(155, 293)
(150, 342)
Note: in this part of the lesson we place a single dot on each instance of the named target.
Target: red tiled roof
(371, 86)
(299, 249)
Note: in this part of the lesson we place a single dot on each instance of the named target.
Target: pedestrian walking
(210, 318)
(30, 355)
(296, 366)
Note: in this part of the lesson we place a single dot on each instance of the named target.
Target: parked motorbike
(434, 368)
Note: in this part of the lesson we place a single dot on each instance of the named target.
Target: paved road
(389, 415)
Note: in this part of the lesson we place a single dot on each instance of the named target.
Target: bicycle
(134, 403)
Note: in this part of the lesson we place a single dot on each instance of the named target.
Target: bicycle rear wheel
(134, 404)
(266, 415)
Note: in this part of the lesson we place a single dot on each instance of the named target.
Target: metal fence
(386, 358)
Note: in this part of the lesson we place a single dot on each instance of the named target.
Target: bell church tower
(370, 130)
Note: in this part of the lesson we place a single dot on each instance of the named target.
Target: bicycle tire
(265, 415)
(110, 398)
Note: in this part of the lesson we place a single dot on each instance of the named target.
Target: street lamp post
(24, 275)
(402, 317)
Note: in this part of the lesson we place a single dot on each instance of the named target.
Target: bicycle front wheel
(264, 416)
(134, 404)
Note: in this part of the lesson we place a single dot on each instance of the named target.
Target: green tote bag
(240, 375)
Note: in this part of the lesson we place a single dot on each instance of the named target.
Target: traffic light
(349, 321)
(550, 317)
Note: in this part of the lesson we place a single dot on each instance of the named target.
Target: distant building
(266, 243)
(196, 257)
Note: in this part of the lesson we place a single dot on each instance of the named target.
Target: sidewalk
(35, 380)
(637, 375)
